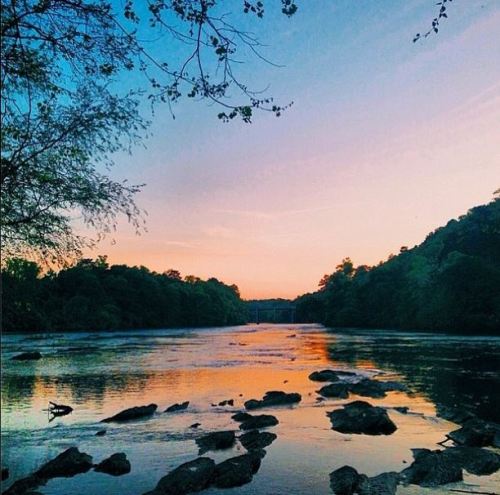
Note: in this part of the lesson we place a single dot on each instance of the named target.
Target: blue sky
(386, 140)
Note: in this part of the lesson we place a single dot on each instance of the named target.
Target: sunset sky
(386, 141)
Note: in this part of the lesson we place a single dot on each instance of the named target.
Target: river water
(101, 373)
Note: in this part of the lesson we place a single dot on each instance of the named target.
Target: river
(101, 373)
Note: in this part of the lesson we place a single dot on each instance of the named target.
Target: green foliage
(95, 296)
(449, 282)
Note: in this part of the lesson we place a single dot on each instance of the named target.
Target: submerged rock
(216, 441)
(177, 407)
(361, 417)
(116, 465)
(5, 473)
(347, 481)
(241, 416)
(66, 464)
(260, 421)
(132, 413)
(100, 433)
(432, 468)
(28, 356)
(274, 398)
(257, 440)
(328, 375)
(189, 477)
(337, 390)
(237, 471)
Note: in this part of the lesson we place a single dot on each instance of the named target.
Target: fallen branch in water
(59, 408)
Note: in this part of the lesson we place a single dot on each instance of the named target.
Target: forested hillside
(95, 296)
(449, 282)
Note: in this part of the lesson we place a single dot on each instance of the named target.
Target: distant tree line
(95, 296)
(449, 282)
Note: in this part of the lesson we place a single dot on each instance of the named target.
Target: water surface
(101, 373)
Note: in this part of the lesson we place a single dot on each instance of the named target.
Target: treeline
(450, 282)
(95, 296)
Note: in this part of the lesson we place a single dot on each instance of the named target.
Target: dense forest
(95, 296)
(449, 282)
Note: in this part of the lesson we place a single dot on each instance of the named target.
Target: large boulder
(237, 471)
(28, 356)
(259, 421)
(274, 398)
(360, 417)
(216, 441)
(257, 440)
(189, 477)
(132, 413)
(116, 465)
(432, 468)
(329, 375)
(334, 390)
(177, 407)
(66, 464)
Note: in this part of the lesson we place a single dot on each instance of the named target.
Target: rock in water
(475, 433)
(260, 421)
(360, 417)
(431, 468)
(241, 416)
(274, 398)
(329, 375)
(116, 465)
(237, 471)
(344, 481)
(473, 459)
(228, 402)
(383, 484)
(216, 441)
(24, 486)
(5, 473)
(177, 407)
(132, 413)
(347, 481)
(337, 390)
(100, 433)
(28, 356)
(256, 440)
(189, 477)
(66, 464)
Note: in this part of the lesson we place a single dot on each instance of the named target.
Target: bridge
(271, 314)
